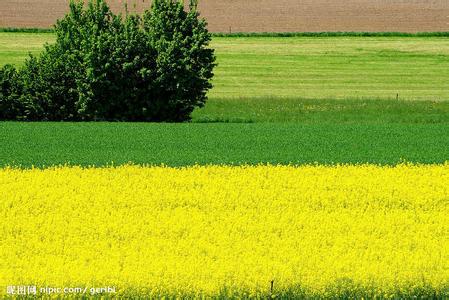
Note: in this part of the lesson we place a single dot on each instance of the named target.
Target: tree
(183, 64)
(104, 66)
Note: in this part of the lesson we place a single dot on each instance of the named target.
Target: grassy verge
(341, 67)
(45, 144)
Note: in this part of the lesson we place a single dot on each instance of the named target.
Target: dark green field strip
(46, 144)
(27, 30)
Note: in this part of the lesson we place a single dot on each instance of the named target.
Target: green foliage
(109, 58)
(182, 70)
(49, 89)
(10, 89)
(119, 68)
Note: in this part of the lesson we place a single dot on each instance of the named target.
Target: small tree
(111, 67)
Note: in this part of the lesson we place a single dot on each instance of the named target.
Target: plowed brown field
(270, 15)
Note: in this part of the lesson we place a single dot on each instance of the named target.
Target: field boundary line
(279, 34)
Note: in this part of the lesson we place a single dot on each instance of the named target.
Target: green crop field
(308, 67)
(46, 144)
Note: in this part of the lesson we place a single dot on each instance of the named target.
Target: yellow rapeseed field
(222, 230)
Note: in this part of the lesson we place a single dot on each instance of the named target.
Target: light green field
(415, 68)
(335, 67)
(14, 47)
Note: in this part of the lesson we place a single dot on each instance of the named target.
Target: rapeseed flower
(234, 230)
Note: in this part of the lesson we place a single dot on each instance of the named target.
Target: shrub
(10, 90)
(104, 66)
(49, 89)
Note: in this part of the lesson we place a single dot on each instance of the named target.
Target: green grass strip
(26, 30)
(321, 111)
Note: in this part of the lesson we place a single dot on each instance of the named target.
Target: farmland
(328, 100)
(414, 68)
(47, 144)
(316, 68)
(319, 167)
(268, 15)
(345, 231)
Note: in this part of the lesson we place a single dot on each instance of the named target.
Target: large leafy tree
(155, 67)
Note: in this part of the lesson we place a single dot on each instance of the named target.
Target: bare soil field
(269, 15)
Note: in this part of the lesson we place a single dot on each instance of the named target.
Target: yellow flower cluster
(250, 230)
